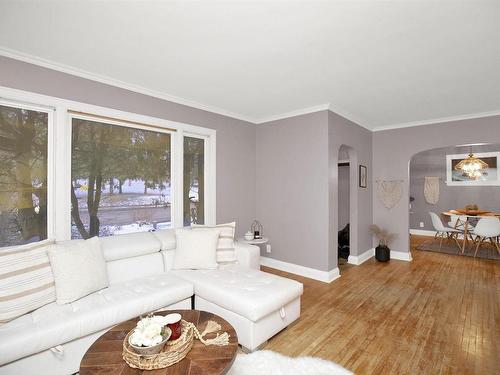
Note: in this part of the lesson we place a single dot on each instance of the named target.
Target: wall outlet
(421, 224)
(268, 248)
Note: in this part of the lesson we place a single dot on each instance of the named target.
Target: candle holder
(257, 230)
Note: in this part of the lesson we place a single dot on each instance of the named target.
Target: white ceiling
(380, 64)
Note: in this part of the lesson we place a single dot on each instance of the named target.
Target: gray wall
(433, 163)
(297, 187)
(285, 172)
(393, 149)
(292, 188)
(359, 141)
(235, 138)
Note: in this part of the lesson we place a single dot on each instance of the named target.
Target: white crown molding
(436, 121)
(313, 109)
(116, 83)
(359, 259)
(298, 112)
(312, 273)
(35, 60)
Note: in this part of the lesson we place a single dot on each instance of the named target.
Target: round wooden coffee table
(105, 355)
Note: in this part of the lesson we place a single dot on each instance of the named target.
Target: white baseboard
(358, 259)
(401, 255)
(422, 232)
(429, 233)
(312, 273)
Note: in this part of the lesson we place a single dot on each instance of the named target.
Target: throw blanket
(431, 190)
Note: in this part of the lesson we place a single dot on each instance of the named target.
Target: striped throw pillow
(225, 245)
(26, 280)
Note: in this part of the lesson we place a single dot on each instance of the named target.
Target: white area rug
(266, 362)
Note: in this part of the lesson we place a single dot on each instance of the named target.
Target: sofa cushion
(54, 324)
(167, 238)
(26, 280)
(122, 270)
(196, 249)
(78, 271)
(225, 245)
(250, 293)
(129, 245)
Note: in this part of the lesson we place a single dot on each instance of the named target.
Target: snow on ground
(111, 230)
(132, 195)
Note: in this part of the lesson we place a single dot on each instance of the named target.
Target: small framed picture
(362, 176)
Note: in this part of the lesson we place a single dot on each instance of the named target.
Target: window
(120, 179)
(23, 175)
(194, 181)
(71, 170)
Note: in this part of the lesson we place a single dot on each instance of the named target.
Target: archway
(432, 164)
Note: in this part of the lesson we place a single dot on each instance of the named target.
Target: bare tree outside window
(23, 175)
(120, 179)
(194, 181)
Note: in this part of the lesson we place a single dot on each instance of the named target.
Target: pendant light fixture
(471, 167)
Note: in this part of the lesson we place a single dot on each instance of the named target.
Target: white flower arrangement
(149, 331)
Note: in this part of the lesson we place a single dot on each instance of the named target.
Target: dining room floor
(438, 314)
(485, 251)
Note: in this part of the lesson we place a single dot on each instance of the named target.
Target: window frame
(6, 102)
(61, 112)
(209, 188)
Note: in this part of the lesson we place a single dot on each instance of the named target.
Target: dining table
(466, 223)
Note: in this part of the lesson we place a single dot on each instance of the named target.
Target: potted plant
(382, 251)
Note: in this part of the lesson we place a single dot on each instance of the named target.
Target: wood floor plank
(438, 314)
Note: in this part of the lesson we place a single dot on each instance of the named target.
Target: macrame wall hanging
(389, 192)
(431, 190)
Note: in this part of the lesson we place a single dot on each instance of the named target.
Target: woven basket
(173, 352)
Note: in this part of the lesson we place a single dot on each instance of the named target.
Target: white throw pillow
(26, 280)
(225, 246)
(196, 249)
(79, 269)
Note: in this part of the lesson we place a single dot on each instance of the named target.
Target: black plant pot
(382, 253)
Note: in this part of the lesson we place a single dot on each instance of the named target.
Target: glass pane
(194, 181)
(23, 176)
(120, 179)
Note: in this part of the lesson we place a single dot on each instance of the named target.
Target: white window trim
(209, 160)
(59, 210)
(50, 156)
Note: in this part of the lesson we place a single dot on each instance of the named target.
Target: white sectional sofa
(56, 337)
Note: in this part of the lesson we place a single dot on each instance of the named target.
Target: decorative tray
(173, 351)
(176, 350)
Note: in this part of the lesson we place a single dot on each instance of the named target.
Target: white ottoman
(257, 304)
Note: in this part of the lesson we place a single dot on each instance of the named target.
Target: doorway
(344, 186)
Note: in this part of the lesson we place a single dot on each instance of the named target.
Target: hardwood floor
(438, 314)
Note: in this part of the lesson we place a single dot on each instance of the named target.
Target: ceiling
(380, 64)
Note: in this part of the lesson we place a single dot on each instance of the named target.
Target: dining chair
(459, 222)
(443, 232)
(487, 228)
